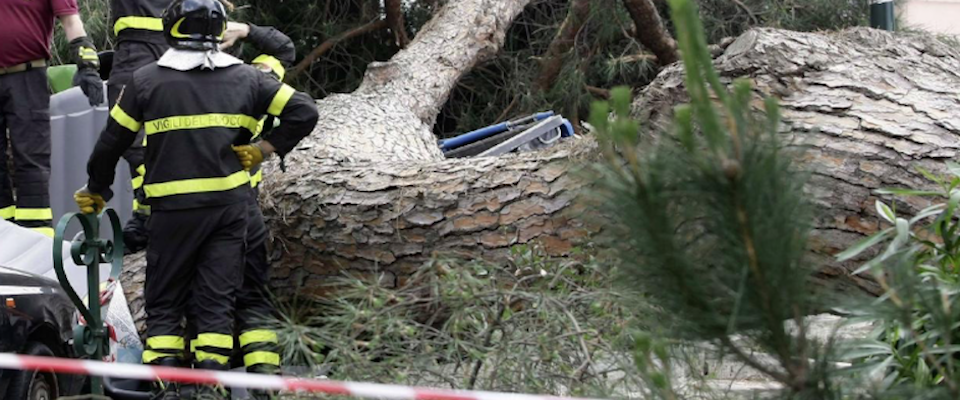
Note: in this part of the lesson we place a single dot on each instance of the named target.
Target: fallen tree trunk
(870, 106)
(867, 107)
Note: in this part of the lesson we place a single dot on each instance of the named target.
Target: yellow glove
(250, 155)
(89, 203)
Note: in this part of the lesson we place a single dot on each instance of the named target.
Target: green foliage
(541, 325)
(918, 266)
(725, 18)
(711, 222)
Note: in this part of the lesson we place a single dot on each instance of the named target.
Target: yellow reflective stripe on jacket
(198, 185)
(256, 178)
(145, 23)
(33, 214)
(142, 169)
(8, 212)
(180, 122)
(201, 355)
(259, 127)
(125, 120)
(261, 357)
(137, 182)
(218, 340)
(45, 230)
(280, 100)
(258, 336)
(165, 342)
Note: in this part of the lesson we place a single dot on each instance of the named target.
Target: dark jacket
(191, 119)
(138, 19)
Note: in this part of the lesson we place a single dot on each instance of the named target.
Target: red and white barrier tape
(253, 381)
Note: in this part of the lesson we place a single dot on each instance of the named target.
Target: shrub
(919, 314)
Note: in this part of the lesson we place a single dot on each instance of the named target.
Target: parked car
(36, 318)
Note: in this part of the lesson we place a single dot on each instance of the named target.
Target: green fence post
(881, 14)
(90, 340)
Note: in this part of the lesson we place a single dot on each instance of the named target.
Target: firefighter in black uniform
(258, 343)
(199, 108)
(140, 41)
(139, 30)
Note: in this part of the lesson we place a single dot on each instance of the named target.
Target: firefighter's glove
(250, 155)
(89, 203)
(88, 67)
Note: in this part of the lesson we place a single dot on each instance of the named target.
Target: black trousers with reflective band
(254, 305)
(25, 134)
(258, 343)
(195, 258)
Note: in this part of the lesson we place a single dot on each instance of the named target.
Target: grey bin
(75, 127)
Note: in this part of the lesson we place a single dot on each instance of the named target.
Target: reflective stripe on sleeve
(33, 214)
(280, 100)
(181, 122)
(198, 185)
(272, 62)
(145, 23)
(8, 212)
(124, 120)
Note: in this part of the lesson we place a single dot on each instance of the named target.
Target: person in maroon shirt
(26, 29)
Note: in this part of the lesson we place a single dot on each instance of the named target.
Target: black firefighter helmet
(194, 24)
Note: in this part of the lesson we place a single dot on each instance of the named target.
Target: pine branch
(330, 43)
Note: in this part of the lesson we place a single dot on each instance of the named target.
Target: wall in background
(938, 16)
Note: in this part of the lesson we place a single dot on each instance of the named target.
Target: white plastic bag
(125, 345)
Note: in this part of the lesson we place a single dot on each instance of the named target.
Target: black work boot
(262, 394)
(209, 392)
(135, 236)
(166, 390)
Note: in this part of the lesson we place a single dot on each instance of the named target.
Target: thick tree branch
(650, 31)
(598, 92)
(390, 117)
(330, 43)
(552, 61)
(394, 11)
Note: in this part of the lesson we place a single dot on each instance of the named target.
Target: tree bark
(650, 31)
(565, 39)
(390, 116)
(388, 218)
(868, 108)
